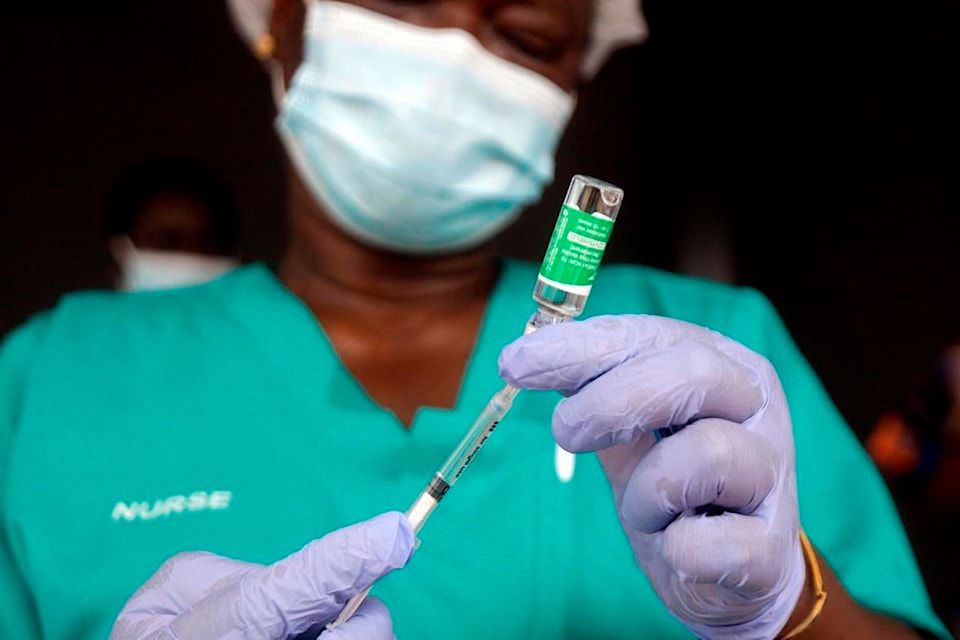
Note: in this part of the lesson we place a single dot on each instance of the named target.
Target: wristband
(821, 596)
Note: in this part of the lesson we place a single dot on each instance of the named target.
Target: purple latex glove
(733, 575)
(201, 596)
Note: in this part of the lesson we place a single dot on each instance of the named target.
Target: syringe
(566, 276)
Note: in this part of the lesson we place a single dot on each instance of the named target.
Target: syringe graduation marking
(476, 448)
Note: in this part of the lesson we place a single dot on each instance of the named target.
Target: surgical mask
(413, 139)
(153, 269)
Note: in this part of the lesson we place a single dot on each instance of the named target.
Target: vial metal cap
(594, 196)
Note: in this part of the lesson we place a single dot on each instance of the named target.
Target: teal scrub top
(219, 418)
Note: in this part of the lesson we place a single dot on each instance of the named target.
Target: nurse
(240, 420)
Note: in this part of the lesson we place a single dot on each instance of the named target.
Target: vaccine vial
(576, 247)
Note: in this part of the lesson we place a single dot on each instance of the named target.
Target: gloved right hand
(711, 512)
(202, 596)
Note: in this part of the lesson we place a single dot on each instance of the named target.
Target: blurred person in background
(920, 438)
(916, 445)
(170, 222)
(212, 430)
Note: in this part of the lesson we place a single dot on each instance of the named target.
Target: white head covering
(616, 24)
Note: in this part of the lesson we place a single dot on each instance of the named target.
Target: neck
(334, 273)
(386, 313)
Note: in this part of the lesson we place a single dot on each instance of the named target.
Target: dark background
(817, 141)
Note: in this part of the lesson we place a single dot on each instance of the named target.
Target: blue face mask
(413, 139)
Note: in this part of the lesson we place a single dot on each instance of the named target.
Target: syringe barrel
(576, 247)
(477, 436)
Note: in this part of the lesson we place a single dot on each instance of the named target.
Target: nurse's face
(545, 36)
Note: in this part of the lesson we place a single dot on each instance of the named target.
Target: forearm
(842, 617)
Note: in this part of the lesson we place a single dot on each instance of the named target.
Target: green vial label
(576, 247)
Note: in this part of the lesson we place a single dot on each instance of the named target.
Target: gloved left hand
(711, 511)
(202, 596)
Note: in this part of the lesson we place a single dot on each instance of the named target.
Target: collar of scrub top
(616, 24)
